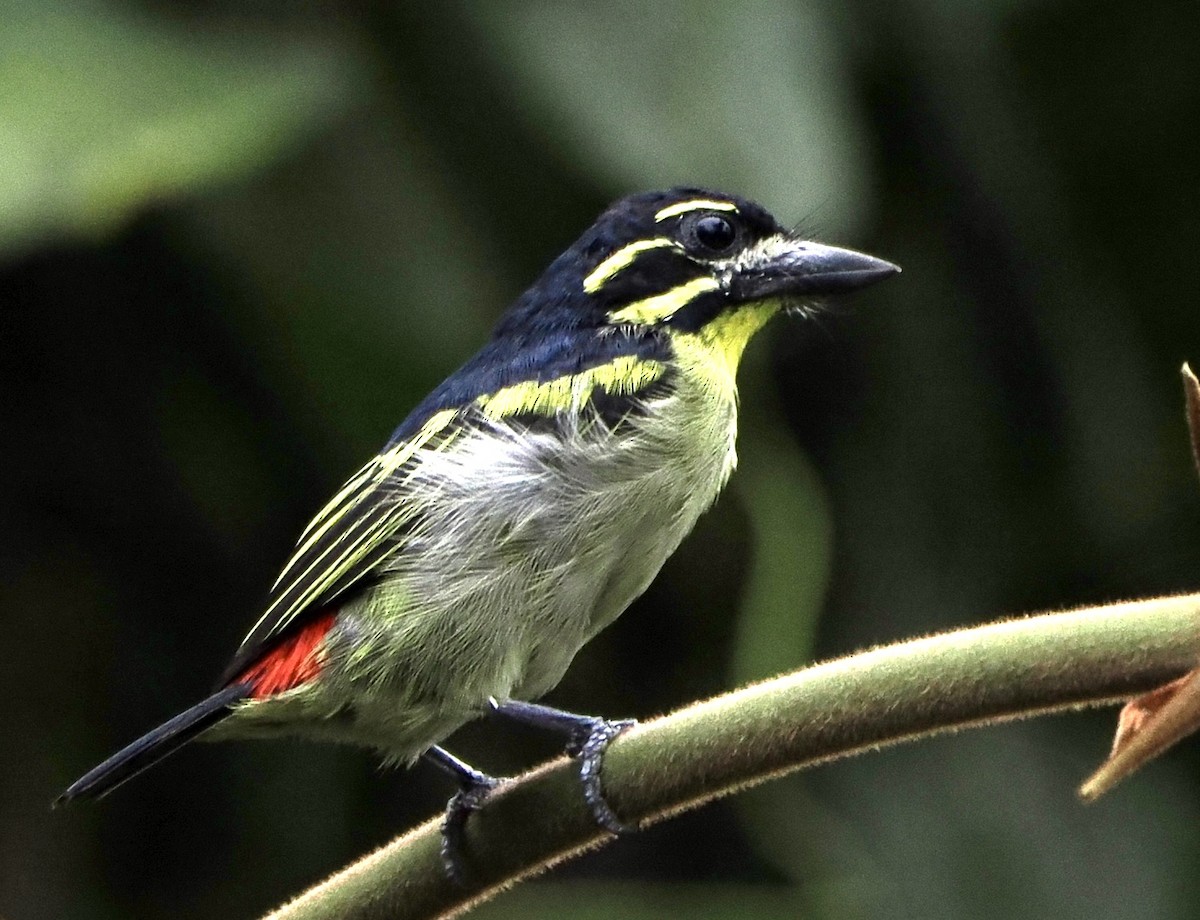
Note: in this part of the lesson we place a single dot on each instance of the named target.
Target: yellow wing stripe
(660, 307)
(621, 376)
(334, 503)
(360, 546)
(351, 495)
(393, 459)
(327, 517)
(376, 470)
(696, 204)
(621, 259)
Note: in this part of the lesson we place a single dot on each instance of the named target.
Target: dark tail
(153, 747)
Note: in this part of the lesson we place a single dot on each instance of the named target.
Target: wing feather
(346, 539)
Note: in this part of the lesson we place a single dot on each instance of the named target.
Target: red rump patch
(293, 662)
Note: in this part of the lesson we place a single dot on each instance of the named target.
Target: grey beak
(805, 268)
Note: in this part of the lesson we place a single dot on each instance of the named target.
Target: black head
(680, 258)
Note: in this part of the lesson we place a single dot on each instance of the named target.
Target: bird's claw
(468, 799)
(588, 738)
(590, 748)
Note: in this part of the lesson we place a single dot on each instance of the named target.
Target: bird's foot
(474, 788)
(458, 809)
(588, 739)
(589, 748)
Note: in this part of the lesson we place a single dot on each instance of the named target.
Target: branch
(1006, 670)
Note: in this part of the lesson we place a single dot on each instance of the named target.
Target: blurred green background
(239, 240)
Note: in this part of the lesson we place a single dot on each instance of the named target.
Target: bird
(523, 504)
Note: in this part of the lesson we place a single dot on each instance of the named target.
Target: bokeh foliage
(239, 240)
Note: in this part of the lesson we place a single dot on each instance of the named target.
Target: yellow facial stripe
(620, 259)
(622, 376)
(651, 310)
(698, 204)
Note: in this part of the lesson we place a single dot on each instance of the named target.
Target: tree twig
(1005, 670)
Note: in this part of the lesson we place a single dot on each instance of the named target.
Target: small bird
(524, 504)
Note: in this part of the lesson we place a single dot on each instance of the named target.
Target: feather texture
(521, 545)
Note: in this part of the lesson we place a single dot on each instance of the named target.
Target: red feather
(293, 662)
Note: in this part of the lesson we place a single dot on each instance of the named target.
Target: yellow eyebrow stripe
(621, 259)
(651, 310)
(698, 204)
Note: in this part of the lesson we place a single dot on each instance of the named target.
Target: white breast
(529, 546)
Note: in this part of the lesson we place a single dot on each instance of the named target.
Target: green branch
(1006, 670)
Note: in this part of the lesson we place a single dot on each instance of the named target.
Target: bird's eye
(714, 233)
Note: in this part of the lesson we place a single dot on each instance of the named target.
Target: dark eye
(714, 232)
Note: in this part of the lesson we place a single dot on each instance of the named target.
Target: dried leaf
(1146, 727)
(1156, 720)
(1191, 393)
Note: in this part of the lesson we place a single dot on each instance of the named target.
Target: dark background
(238, 241)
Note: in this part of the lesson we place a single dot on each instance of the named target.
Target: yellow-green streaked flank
(623, 258)
(697, 204)
(660, 307)
(622, 376)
